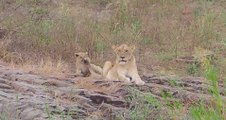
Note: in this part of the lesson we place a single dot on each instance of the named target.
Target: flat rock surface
(28, 96)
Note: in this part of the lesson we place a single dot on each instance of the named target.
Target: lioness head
(124, 53)
(82, 57)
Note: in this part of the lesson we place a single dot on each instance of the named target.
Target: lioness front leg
(124, 78)
(137, 80)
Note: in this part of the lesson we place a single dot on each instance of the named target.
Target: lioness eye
(126, 50)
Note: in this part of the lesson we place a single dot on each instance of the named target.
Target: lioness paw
(140, 82)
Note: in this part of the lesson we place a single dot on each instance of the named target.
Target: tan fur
(84, 67)
(125, 68)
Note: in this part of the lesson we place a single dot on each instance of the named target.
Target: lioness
(84, 68)
(124, 68)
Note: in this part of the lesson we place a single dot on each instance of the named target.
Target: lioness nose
(122, 57)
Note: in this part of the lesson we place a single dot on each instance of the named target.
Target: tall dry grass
(161, 29)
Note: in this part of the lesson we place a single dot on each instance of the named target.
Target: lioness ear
(133, 47)
(113, 47)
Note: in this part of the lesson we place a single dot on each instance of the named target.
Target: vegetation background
(51, 31)
(162, 30)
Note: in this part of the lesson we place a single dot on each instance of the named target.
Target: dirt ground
(27, 96)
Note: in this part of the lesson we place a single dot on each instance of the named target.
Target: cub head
(124, 53)
(82, 57)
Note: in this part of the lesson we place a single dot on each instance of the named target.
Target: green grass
(3, 116)
(215, 109)
(193, 69)
(48, 112)
(173, 82)
(143, 105)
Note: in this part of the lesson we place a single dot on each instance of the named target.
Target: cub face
(123, 53)
(82, 58)
(82, 64)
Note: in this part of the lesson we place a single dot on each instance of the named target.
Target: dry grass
(9, 57)
(161, 29)
(48, 67)
(45, 67)
(89, 85)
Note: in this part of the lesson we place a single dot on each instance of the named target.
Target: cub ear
(132, 47)
(76, 54)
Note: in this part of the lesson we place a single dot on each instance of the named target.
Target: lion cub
(84, 68)
(124, 68)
